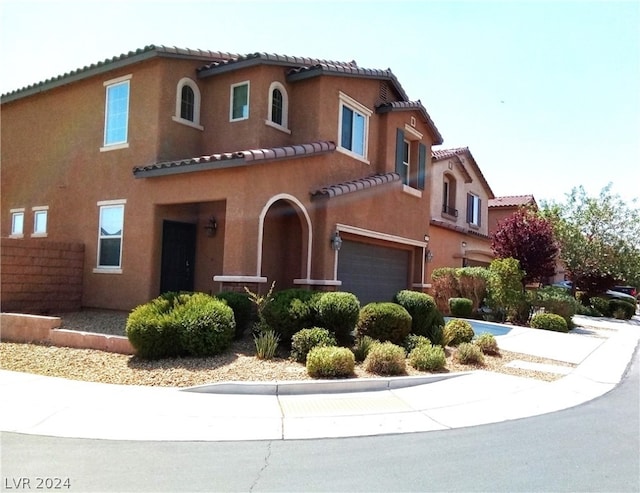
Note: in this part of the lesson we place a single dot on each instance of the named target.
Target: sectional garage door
(372, 272)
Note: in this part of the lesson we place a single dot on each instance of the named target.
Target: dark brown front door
(178, 256)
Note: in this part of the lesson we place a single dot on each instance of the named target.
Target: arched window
(188, 103)
(278, 107)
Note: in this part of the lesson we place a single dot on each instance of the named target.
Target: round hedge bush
(426, 319)
(457, 331)
(460, 307)
(549, 321)
(305, 340)
(621, 309)
(330, 362)
(242, 308)
(338, 312)
(412, 341)
(386, 358)
(177, 324)
(289, 311)
(426, 357)
(487, 343)
(384, 321)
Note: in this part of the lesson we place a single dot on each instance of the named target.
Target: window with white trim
(17, 222)
(110, 234)
(40, 215)
(474, 214)
(116, 118)
(188, 102)
(449, 195)
(278, 113)
(411, 155)
(239, 107)
(353, 127)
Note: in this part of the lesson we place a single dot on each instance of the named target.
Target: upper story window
(474, 213)
(239, 107)
(411, 158)
(188, 103)
(353, 127)
(278, 107)
(449, 196)
(40, 220)
(17, 222)
(110, 234)
(116, 118)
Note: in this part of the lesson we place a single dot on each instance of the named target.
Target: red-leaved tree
(529, 238)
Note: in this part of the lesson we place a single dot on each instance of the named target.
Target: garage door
(372, 272)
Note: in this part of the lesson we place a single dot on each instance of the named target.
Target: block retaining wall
(17, 327)
(40, 276)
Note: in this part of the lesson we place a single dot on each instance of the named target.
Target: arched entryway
(285, 237)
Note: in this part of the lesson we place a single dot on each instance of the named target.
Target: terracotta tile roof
(355, 185)
(412, 106)
(440, 154)
(513, 201)
(115, 62)
(233, 159)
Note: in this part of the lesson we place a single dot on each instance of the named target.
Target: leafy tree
(599, 239)
(506, 292)
(529, 238)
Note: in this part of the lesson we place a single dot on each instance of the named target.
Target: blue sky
(546, 95)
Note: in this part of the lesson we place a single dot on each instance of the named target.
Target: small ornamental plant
(487, 343)
(469, 354)
(386, 358)
(426, 357)
(305, 340)
(330, 362)
(457, 331)
(549, 321)
(362, 347)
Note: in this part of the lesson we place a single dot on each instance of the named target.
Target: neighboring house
(198, 170)
(502, 207)
(459, 235)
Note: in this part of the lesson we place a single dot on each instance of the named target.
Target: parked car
(630, 290)
(610, 293)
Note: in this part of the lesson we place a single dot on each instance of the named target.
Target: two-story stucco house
(198, 170)
(460, 194)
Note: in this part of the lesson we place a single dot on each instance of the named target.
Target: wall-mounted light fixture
(426, 238)
(336, 241)
(211, 226)
(464, 244)
(428, 255)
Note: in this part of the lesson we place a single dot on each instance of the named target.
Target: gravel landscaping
(237, 364)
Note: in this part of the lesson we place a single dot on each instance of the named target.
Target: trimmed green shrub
(487, 343)
(289, 311)
(426, 319)
(242, 308)
(412, 341)
(600, 305)
(460, 307)
(206, 325)
(338, 312)
(549, 321)
(557, 300)
(330, 362)
(621, 309)
(386, 358)
(305, 340)
(266, 343)
(177, 324)
(384, 321)
(362, 347)
(457, 331)
(469, 354)
(426, 357)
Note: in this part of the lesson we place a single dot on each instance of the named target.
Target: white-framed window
(116, 112)
(188, 100)
(239, 104)
(406, 160)
(40, 215)
(474, 214)
(278, 113)
(353, 127)
(17, 223)
(449, 195)
(411, 159)
(110, 235)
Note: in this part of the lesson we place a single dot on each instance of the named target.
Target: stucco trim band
(252, 279)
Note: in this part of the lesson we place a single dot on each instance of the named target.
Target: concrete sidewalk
(602, 349)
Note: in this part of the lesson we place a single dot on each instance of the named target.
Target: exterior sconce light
(428, 255)
(336, 241)
(464, 244)
(426, 238)
(211, 227)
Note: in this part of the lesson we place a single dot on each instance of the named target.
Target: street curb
(304, 387)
